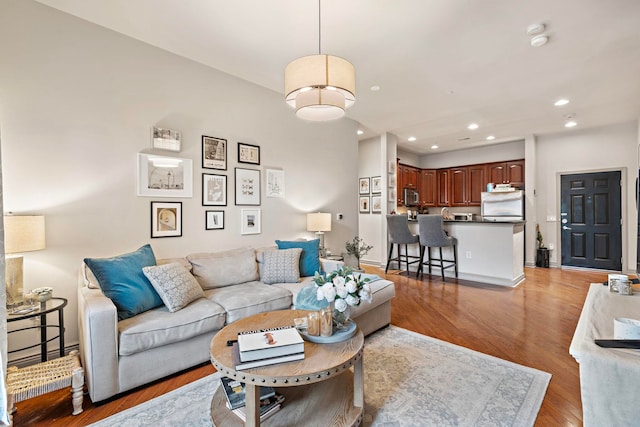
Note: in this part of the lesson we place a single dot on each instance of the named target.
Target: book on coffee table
(235, 392)
(268, 343)
(239, 365)
(268, 407)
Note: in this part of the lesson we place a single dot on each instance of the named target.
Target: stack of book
(267, 347)
(270, 401)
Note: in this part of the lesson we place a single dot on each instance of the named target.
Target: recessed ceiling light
(491, 138)
(473, 126)
(540, 40)
(570, 124)
(360, 132)
(411, 138)
(434, 147)
(561, 102)
(534, 29)
(375, 88)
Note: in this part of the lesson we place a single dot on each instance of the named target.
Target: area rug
(410, 380)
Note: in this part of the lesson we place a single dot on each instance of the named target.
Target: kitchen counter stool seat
(432, 234)
(399, 235)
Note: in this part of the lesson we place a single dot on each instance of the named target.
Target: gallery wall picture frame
(214, 153)
(363, 185)
(165, 139)
(392, 195)
(248, 153)
(247, 187)
(392, 167)
(376, 184)
(250, 221)
(166, 219)
(392, 181)
(214, 189)
(364, 204)
(214, 220)
(274, 183)
(162, 176)
(376, 204)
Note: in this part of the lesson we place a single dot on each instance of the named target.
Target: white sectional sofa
(119, 354)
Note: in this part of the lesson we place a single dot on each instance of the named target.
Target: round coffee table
(319, 390)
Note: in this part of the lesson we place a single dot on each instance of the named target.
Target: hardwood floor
(531, 325)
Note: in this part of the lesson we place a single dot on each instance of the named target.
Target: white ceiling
(440, 64)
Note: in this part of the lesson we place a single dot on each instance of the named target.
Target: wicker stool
(35, 380)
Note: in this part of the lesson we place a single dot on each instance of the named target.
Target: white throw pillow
(175, 285)
(218, 269)
(281, 266)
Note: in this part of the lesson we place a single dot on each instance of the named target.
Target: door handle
(564, 227)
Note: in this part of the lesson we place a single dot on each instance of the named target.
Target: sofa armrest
(329, 265)
(98, 335)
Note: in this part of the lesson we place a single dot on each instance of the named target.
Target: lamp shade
(318, 221)
(23, 233)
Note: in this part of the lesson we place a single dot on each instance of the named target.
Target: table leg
(61, 330)
(252, 405)
(43, 337)
(358, 384)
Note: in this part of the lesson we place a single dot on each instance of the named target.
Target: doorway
(591, 220)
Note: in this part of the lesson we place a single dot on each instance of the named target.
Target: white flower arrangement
(343, 288)
(43, 290)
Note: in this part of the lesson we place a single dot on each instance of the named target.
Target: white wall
(591, 150)
(370, 164)
(77, 102)
(486, 154)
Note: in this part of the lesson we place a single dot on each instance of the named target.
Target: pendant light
(320, 87)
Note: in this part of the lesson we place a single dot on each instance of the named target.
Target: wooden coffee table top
(321, 360)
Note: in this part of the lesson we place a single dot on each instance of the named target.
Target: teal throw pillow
(122, 280)
(310, 257)
(307, 299)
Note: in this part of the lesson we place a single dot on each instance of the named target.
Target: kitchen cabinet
(476, 184)
(467, 183)
(428, 187)
(511, 172)
(409, 176)
(458, 186)
(443, 187)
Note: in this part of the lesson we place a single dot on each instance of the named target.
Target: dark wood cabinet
(428, 187)
(410, 176)
(467, 183)
(443, 187)
(511, 172)
(476, 184)
(458, 186)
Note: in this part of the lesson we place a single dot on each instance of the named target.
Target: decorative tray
(338, 334)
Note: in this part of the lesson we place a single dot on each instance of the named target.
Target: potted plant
(356, 249)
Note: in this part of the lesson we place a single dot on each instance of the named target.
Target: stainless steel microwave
(410, 197)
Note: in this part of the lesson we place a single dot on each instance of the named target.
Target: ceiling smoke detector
(540, 40)
(535, 29)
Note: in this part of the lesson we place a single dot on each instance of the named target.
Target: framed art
(364, 185)
(161, 176)
(376, 204)
(392, 167)
(364, 204)
(165, 139)
(247, 187)
(392, 195)
(214, 190)
(250, 221)
(376, 184)
(392, 181)
(214, 220)
(248, 153)
(274, 183)
(166, 219)
(214, 153)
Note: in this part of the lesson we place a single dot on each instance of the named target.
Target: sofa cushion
(249, 298)
(122, 280)
(218, 269)
(159, 327)
(310, 258)
(281, 266)
(175, 285)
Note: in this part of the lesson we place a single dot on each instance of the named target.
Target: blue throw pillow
(307, 299)
(122, 280)
(310, 257)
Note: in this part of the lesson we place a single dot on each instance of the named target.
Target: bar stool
(399, 234)
(432, 234)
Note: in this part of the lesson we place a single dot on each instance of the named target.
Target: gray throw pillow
(175, 285)
(281, 266)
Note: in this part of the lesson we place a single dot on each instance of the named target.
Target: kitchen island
(488, 251)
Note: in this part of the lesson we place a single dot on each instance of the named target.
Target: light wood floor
(531, 325)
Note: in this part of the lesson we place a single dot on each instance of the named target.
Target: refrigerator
(502, 206)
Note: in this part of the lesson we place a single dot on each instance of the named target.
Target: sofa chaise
(124, 345)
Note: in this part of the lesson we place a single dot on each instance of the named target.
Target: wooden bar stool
(399, 234)
(432, 234)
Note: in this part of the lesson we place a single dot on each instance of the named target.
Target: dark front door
(590, 220)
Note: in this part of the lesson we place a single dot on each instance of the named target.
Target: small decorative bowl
(44, 297)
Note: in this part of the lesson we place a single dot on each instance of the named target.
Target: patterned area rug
(410, 380)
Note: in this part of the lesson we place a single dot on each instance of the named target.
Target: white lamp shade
(320, 105)
(318, 221)
(23, 233)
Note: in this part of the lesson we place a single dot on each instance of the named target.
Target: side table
(49, 306)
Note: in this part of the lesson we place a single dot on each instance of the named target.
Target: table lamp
(24, 233)
(319, 222)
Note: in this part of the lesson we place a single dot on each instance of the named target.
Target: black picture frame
(166, 219)
(214, 153)
(214, 189)
(214, 220)
(248, 153)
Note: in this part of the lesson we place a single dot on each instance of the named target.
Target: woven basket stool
(35, 380)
